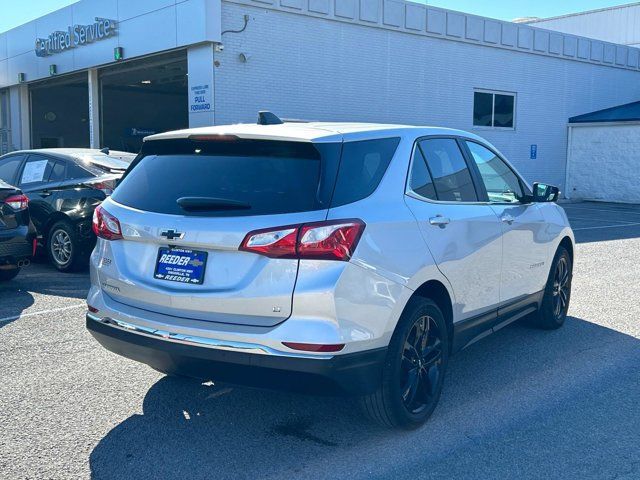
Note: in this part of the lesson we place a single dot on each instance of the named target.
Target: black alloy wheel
(561, 290)
(422, 362)
(557, 294)
(414, 370)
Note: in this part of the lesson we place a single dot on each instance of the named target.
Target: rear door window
(451, 176)
(265, 176)
(362, 167)
(36, 171)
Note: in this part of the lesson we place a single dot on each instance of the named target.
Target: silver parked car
(350, 258)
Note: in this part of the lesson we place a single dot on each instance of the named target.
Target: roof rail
(267, 118)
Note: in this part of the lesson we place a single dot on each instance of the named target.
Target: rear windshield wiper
(195, 204)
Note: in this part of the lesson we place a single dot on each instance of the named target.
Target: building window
(494, 109)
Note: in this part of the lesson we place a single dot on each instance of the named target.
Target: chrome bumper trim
(203, 342)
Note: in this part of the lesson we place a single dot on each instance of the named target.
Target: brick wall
(303, 64)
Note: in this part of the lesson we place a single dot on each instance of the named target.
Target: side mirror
(545, 193)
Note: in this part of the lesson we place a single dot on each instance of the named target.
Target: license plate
(181, 265)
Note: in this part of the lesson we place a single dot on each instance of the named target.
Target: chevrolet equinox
(324, 257)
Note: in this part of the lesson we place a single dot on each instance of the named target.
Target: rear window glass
(362, 167)
(58, 172)
(75, 171)
(268, 177)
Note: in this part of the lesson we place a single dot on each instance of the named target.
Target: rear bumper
(14, 247)
(349, 374)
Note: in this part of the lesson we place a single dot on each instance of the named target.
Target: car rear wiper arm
(210, 203)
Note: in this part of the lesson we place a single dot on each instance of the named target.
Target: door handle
(508, 219)
(439, 221)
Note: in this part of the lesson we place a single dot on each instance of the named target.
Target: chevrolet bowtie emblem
(172, 235)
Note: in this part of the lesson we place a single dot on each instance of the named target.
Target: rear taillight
(106, 186)
(332, 240)
(17, 202)
(106, 225)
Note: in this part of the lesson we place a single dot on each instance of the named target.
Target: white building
(620, 24)
(199, 62)
(603, 162)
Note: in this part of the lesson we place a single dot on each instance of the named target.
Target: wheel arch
(567, 243)
(51, 221)
(438, 292)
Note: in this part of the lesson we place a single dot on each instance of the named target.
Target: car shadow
(19, 294)
(188, 429)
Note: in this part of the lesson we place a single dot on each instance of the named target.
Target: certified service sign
(75, 36)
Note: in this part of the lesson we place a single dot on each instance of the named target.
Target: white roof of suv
(308, 132)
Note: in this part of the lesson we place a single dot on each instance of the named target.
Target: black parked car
(17, 235)
(64, 186)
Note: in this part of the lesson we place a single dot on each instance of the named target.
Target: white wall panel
(369, 11)
(393, 13)
(85, 11)
(134, 8)
(492, 31)
(616, 25)
(475, 27)
(144, 27)
(416, 17)
(610, 150)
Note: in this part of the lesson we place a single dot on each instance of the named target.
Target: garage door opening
(143, 97)
(60, 112)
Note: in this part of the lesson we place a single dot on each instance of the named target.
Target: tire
(398, 403)
(63, 247)
(10, 274)
(557, 293)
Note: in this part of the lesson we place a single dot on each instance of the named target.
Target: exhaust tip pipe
(24, 263)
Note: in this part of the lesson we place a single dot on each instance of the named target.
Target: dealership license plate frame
(196, 272)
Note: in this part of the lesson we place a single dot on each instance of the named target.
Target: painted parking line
(42, 312)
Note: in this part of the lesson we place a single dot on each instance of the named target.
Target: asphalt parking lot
(522, 403)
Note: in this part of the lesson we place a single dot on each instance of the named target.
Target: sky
(17, 12)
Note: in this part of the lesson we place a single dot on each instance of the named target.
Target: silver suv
(350, 258)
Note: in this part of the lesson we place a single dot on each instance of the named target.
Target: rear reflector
(331, 240)
(107, 186)
(92, 309)
(106, 225)
(17, 202)
(313, 347)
